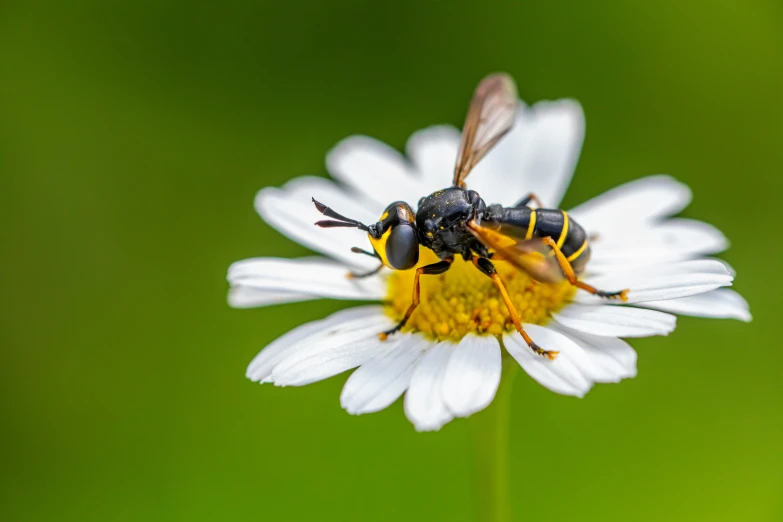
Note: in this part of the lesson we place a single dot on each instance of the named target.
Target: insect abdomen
(570, 237)
(555, 223)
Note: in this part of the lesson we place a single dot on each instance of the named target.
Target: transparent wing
(529, 255)
(490, 116)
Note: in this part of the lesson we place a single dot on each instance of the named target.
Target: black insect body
(541, 223)
(442, 221)
(545, 243)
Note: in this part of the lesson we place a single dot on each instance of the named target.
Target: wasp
(545, 243)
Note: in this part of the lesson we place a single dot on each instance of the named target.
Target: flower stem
(490, 433)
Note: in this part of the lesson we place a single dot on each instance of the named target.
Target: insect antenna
(338, 220)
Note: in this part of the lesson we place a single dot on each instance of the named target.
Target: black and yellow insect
(545, 243)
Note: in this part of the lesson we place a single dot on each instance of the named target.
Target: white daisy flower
(447, 360)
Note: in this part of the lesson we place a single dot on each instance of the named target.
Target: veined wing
(529, 255)
(490, 116)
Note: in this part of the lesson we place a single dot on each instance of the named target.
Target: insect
(545, 243)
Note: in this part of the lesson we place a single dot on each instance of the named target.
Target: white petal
(638, 201)
(329, 353)
(375, 170)
(671, 240)
(472, 375)
(245, 297)
(322, 362)
(560, 375)
(728, 267)
(538, 155)
(669, 287)
(557, 137)
(433, 151)
(719, 304)
(667, 281)
(260, 368)
(314, 276)
(292, 212)
(701, 238)
(615, 358)
(424, 405)
(690, 266)
(615, 321)
(342, 199)
(381, 380)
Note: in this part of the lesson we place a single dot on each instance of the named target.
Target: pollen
(463, 300)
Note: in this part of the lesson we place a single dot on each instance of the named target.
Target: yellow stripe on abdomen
(531, 226)
(578, 252)
(563, 232)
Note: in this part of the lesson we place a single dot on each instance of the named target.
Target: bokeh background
(133, 137)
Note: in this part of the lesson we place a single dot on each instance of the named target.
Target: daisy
(447, 360)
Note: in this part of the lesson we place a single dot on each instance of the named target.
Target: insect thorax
(441, 219)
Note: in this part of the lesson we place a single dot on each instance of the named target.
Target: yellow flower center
(464, 300)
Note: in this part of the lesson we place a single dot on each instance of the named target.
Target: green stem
(490, 432)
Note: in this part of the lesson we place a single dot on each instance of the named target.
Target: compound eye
(402, 247)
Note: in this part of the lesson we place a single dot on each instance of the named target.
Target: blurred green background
(133, 137)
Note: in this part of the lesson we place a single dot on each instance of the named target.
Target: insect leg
(357, 250)
(527, 199)
(486, 267)
(622, 295)
(360, 275)
(433, 269)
